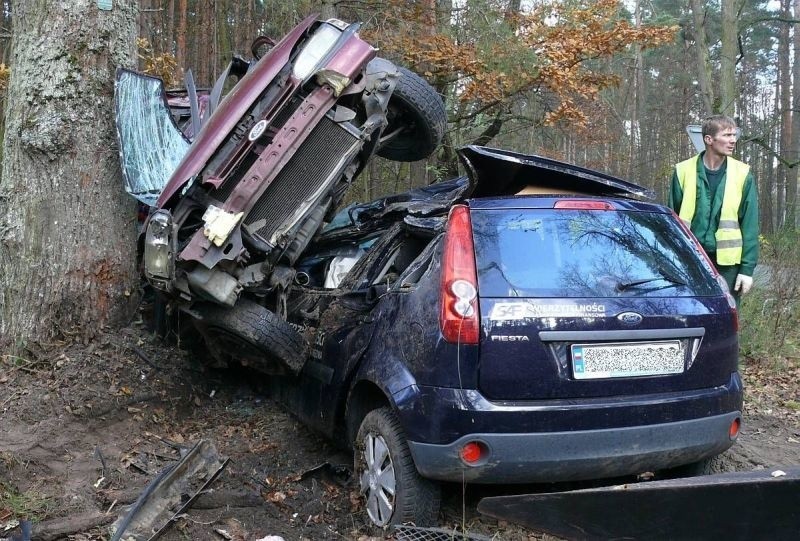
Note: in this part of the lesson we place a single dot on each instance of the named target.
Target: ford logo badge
(630, 318)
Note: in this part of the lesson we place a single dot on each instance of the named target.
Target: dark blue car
(531, 321)
(569, 331)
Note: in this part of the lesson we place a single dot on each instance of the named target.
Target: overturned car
(233, 209)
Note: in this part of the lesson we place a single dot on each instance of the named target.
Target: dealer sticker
(509, 311)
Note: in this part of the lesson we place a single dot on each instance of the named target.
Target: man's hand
(743, 283)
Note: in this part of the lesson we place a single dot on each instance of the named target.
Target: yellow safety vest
(728, 234)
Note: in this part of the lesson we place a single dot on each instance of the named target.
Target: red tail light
(582, 204)
(458, 298)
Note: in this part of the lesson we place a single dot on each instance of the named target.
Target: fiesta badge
(630, 318)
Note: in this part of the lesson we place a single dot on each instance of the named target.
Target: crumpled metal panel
(150, 144)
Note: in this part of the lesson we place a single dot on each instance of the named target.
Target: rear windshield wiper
(623, 286)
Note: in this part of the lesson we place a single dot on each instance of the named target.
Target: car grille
(313, 163)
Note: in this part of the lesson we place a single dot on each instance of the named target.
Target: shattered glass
(151, 145)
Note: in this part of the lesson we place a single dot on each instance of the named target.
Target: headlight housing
(159, 253)
(314, 50)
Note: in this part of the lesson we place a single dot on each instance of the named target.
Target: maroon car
(232, 209)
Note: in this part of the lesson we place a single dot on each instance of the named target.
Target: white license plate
(595, 361)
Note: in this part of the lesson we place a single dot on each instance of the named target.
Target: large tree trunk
(67, 228)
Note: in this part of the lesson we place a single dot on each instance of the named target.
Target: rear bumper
(575, 455)
(565, 439)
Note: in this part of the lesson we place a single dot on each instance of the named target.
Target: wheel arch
(364, 397)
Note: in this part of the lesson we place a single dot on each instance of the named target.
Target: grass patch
(23, 505)
(792, 405)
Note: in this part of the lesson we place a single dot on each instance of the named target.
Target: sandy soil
(86, 427)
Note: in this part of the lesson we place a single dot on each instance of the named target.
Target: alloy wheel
(378, 479)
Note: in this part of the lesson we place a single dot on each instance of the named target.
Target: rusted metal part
(740, 505)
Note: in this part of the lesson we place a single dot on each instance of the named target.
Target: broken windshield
(151, 145)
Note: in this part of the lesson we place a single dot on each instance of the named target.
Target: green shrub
(770, 313)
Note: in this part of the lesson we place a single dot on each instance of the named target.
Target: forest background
(608, 84)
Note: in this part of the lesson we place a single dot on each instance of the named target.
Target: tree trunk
(637, 83)
(784, 104)
(327, 9)
(701, 52)
(730, 51)
(67, 228)
(794, 142)
(180, 38)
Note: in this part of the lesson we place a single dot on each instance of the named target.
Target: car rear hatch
(593, 297)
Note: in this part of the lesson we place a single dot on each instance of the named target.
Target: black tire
(390, 476)
(251, 335)
(417, 118)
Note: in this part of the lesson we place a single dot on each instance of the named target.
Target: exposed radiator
(316, 159)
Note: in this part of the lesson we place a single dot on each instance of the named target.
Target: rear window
(579, 253)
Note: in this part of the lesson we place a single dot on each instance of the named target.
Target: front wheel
(394, 491)
(250, 335)
(417, 120)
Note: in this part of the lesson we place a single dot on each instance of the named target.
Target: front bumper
(564, 439)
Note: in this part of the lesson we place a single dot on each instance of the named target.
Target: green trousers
(729, 273)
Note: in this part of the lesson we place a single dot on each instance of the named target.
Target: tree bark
(730, 52)
(794, 139)
(701, 52)
(784, 91)
(180, 37)
(67, 228)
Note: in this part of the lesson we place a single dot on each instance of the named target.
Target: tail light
(458, 298)
(710, 264)
(582, 204)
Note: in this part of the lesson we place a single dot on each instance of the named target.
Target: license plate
(596, 361)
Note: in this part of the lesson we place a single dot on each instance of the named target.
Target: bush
(770, 313)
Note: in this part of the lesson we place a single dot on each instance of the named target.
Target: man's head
(719, 135)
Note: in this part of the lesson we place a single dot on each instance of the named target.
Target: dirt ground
(86, 427)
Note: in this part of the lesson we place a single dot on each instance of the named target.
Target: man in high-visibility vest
(715, 195)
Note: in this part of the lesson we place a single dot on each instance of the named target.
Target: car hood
(496, 172)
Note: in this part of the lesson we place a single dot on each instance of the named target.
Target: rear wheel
(394, 491)
(251, 335)
(417, 120)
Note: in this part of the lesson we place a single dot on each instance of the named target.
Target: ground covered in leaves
(85, 428)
